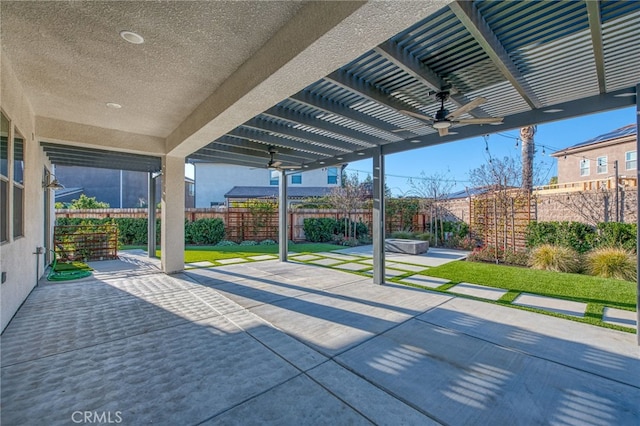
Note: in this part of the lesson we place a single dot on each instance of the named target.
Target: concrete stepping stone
(263, 257)
(561, 306)
(476, 290)
(230, 261)
(422, 280)
(325, 261)
(305, 257)
(203, 264)
(352, 266)
(410, 268)
(388, 273)
(342, 257)
(620, 317)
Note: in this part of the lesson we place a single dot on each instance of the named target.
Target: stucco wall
(16, 255)
(569, 166)
(215, 180)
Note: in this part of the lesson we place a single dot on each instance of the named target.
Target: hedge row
(325, 229)
(133, 231)
(582, 237)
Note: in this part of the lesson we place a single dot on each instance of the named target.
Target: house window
(18, 185)
(602, 165)
(332, 175)
(273, 177)
(631, 160)
(584, 168)
(4, 178)
(191, 189)
(296, 179)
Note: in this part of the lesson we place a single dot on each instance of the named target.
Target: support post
(282, 216)
(151, 216)
(638, 216)
(378, 216)
(617, 180)
(172, 216)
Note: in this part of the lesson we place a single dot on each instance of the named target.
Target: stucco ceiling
(71, 60)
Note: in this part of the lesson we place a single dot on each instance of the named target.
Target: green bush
(404, 235)
(320, 230)
(204, 231)
(554, 258)
(267, 243)
(249, 243)
(614, 234)
(578, 236)
(361, 228)
(486, 254)
(225, 243)
(612, 262)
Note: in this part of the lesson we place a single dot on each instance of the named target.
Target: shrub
(361, 228)
(249, 243)
(612, 262)
(204, 231)
(578, 236)
(425, 236)
(516, 257)
(405, 235)
(267, 243)
(614, 234)
(320, 230)
(225, 243)
(554, 258)
(485, 254)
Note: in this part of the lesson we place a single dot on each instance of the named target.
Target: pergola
(321, 82)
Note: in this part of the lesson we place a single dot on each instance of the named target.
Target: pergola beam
(595, 26)
(469, 15)
(261, 147)
(274, 139)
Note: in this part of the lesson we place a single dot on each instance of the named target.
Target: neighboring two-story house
(595, 158)
(223, 184)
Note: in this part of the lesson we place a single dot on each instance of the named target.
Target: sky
(456, 159)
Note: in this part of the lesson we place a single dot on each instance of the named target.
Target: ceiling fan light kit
(443, 119)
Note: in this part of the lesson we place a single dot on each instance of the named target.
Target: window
(332, 175)
(18, 185)
(584, 167)
(4, 178)
(273, 177)
(296, 179)
(602, 165)
(631, 160)
(191, 189)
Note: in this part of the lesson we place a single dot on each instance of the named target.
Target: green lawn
(582, 288)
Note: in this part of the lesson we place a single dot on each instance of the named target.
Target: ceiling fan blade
(416, 115)
(443, 132)
(488, 120)
(275, 164)
(467, 107)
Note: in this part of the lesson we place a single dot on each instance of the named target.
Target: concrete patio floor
(290, 343)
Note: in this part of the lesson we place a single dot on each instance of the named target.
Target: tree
(432, 189)
(553, 180)
(528, 150)
(348, 198)
(86, 203)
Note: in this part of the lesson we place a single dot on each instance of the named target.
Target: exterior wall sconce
(51, 182)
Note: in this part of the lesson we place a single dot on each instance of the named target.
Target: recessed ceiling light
(453, 133)
(414, 141)
(321, 162)
(552, 110)
(305, 166)
(624, 95)
(132, 37)
(360, 153)
(113, 105)
(339, 158)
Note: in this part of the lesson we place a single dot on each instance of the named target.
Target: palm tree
(528, 149)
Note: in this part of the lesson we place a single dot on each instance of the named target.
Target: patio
(284, 343)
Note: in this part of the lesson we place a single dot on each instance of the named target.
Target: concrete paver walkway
(274, 343)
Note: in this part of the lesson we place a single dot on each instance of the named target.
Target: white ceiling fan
(444, 119)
